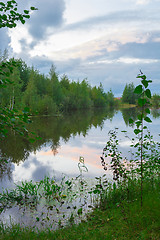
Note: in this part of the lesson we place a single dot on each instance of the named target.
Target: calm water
(63, 141)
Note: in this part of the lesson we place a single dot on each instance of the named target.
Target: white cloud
(142, 2)
(137, 60)
(145, 2)
(125, 60)
(157, 39)
(80, 44)
(91, 36)
(17, 36)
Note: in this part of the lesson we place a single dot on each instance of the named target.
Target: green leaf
(26, 16)
(138, 89)
(141, 102)
(33, 8)
(137, 131)
(136, 145)
(96, 191)
(38, 138)
(12, 12)
(148, 93)
(138, 123)
(147, 110)
(144, 77)
(131, 121)
(22, 21)
(79, 211)
(145, 83)
(4, 17)
(140, 117)
(9, 25)
(147, 119)
(31, 140)
(1, 3)
(26, 11)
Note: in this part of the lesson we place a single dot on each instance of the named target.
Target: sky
(107, 41)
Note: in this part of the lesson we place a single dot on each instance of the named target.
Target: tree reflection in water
(16, 149)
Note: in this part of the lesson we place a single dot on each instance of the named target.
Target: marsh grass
(49, 203)
(123, 219)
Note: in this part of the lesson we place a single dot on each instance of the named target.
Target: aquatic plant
(49, 201)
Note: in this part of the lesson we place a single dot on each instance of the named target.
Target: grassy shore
(126, 105)
(120, 216)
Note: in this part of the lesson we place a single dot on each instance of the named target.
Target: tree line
(130, 97)
(50, 94)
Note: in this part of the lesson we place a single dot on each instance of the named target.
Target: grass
(123, 219)
(126, 105)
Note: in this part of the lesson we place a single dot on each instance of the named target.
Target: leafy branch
(9, 15)
(10, 118)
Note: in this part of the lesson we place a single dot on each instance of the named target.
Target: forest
(51, 94)
(130, 97)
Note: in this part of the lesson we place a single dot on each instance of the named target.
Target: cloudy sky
(106, 41)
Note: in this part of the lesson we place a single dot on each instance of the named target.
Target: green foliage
(111, 151)
(129, 113)
(10, 93)
(12, 119)
(122, 219)
(10, 86)
(26, 87)
(155, 101)
(9, 16)
(24, 72)
(50, 201)
(10, 83)
(129, 96)
(145, 162)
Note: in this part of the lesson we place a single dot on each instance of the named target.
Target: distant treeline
(50, 94)
(130, 97)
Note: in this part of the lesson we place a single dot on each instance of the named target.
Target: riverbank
(127, 105)
(120, 216)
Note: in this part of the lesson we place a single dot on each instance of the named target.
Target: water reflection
(155, 113)
(54, 133)
(129, 113)
(6, 168)
(63, 140)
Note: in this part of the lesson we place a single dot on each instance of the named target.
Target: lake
(63, 140)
